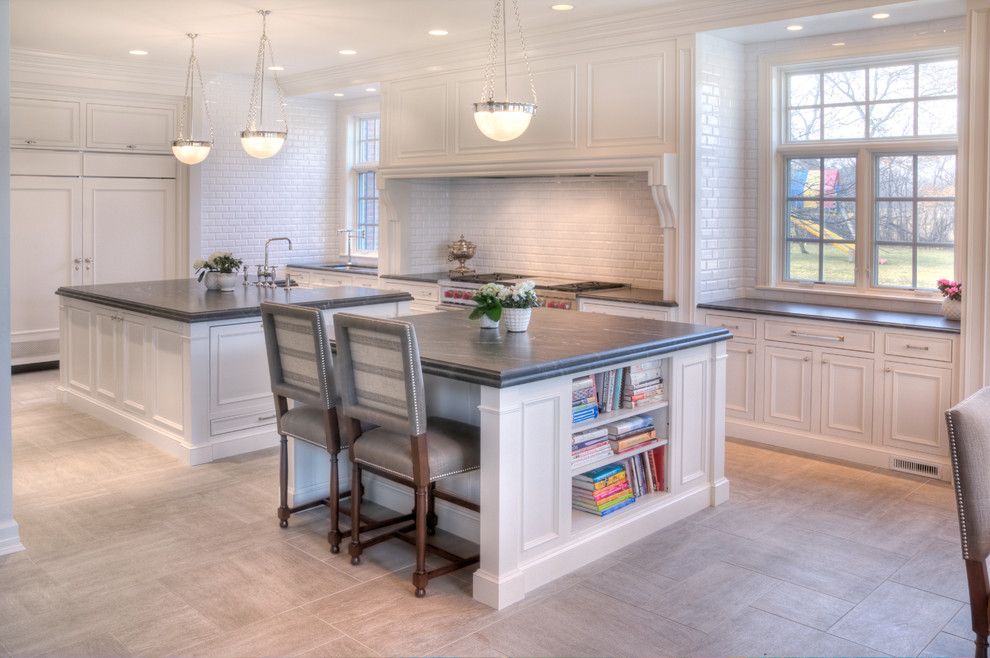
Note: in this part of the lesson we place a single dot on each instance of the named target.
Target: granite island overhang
(183, 367)
(519, 389)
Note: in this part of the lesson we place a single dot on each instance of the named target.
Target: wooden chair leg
(420, 578)
(979, 602)
(283, 483)
(431, 513)
(334, 535)
(356, 494)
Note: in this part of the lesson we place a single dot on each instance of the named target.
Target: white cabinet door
(419, 125)
(847, 397)
(239, 380)
(129, 229)
(787, 387)
(740, 380)
(106, 347)
(915, 400)
(129, 128)
(46, 237)
(44, 122)
(132, 354)
(645, 311)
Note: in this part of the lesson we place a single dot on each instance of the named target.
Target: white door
(915, 400)
(130, 229)
(847, 397)
(787, 385)
(740, 380)
(106, 348)
(45, 240)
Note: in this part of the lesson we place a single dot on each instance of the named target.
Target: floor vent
(916, 468)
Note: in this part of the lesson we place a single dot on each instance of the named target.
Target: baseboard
(35, 366)
(10, 538)
(823, 446)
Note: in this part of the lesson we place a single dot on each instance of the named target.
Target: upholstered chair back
(379, 374)
(300, 362)
(969, 444)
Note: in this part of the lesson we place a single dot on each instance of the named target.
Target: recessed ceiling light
(438, 33)
(839, 43)
(347, 51)
(275, 67)
(795, 28)
(338, 94)
(880, 16)
(138, 52)
(562, 7)
(371, 90)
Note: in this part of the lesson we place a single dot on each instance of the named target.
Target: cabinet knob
(888, 370)
(132, 146)
(749, 351)
(30, 141)
(807, 358)
(825, 361)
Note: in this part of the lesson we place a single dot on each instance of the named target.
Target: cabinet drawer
(842, 337)
(919, 347)
(300, 277)
(242, 422)
(329, 280)
(418, 291)
(740, 327)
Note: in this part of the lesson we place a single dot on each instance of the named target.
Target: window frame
(775, 151)
(355, 169)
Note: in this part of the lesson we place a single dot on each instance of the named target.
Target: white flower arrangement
(219, 261)
(521, 295)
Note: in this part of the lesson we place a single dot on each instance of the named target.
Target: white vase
(488, 323)
(222, 281)
(517, 319)
(951, 309)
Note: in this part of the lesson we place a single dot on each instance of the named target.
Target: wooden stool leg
(419, 576)
(334, 534)
(283, 483)
(979, 601)
(431, 513)
(356, 494)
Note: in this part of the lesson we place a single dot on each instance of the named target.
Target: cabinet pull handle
(272, 417)
(807, 358)
(30, 141)
(749, 351)
(888, 370)
(132, 146)
(825, 361)
(730, 326)
(799, 334)
(916, 347)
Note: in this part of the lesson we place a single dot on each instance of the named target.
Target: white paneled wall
(726, 171)
(245, 201)
(571, 227)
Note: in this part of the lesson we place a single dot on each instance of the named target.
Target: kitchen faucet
(351, 232)
(266, 271)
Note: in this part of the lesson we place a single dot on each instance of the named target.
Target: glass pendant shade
(503, 122)
(257, 141)
(190, 151)
(262, 144)
(187, 150)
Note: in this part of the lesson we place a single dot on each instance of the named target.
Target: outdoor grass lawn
(934, 263)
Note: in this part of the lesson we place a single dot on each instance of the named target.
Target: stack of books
(645, 471)
(584, 399)
(602, 491)
(589, 446)
(642, 384)
(631, 433)
(609, 386)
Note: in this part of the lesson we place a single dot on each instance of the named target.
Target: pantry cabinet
(44, 123)
(129, 128)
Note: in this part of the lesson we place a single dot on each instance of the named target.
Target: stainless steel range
(457, 291)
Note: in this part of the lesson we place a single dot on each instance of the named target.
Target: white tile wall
(245, 200)
(725, 172)
(570, 227)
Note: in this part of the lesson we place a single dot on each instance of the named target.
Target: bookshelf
(616, 457)
(582, 522)
(618, 414)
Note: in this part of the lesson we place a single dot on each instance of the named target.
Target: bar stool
(300, 364)
(381, 381)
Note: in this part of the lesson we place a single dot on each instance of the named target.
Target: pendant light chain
(193, 72)
(499, 32)
(256, 111)
(525, 52)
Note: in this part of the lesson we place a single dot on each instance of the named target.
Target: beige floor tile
(961, 624)
(472, 646)
(753, 518)
(341, 647)
(948, 645)
(936, 495)
(97, 646)
(682, 550)
(897, 620)
(937, 568)
(803, 605)
(290, 633)
(631, 584)
(26, 591)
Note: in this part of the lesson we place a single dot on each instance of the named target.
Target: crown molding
(664, 22)
(36, 69)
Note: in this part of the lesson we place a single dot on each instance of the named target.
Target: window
(364, 207)
(867, 169)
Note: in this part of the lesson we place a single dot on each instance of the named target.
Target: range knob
(554, 304)
(448, 293)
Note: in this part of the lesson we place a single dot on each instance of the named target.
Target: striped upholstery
(300, 362)
(379, 373)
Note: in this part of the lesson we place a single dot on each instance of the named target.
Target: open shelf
(622, 456)
(585, 521)
(618, 414)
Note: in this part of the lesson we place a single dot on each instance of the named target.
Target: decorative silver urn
(462, 251)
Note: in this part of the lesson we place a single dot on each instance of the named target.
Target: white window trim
(773, 151)
(352, 170)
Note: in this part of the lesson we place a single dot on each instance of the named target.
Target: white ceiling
(306, 34)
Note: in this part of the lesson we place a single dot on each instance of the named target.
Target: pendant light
(187, 150)
(258, 142)
(504, 120)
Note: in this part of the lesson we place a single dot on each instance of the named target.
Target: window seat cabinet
(865, 394)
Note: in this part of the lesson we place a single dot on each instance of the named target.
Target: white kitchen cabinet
(740, 379)
(129, 127)
(646, 311)
(46, 253)
(426, 296)
(787, 387)
(329, 279)
(915, 399)
(44, 122)
(120, 359)
(847, 396)
(239, 382)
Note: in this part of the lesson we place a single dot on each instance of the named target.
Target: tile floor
(131, 553)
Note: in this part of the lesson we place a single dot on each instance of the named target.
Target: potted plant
(488, 305)
(951, 298)
(518, 305)
(219, 271)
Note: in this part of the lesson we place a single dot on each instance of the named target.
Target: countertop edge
(613, 297)
(790, 313)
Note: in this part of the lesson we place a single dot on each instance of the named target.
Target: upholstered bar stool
(381, 381)
(300, 364)
(969, 445)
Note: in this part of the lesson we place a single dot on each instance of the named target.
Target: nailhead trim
(954, 453)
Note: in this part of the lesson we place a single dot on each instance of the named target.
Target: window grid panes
(367, 139)
(914, 225)
(881, 101)
(367, 212)
(820, 220)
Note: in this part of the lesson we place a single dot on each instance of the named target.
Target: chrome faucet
(266, 272)
(351, 232)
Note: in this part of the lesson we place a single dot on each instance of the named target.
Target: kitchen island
(518, 388)
(182, 367)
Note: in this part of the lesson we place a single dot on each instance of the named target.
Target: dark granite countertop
(455, 347)
(329, 267)
(186, 300)
(838, 314)
(630, 296)
(426, 277)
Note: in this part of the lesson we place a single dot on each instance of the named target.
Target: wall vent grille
(916, 468)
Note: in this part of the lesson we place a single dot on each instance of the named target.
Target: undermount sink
(356, 269)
